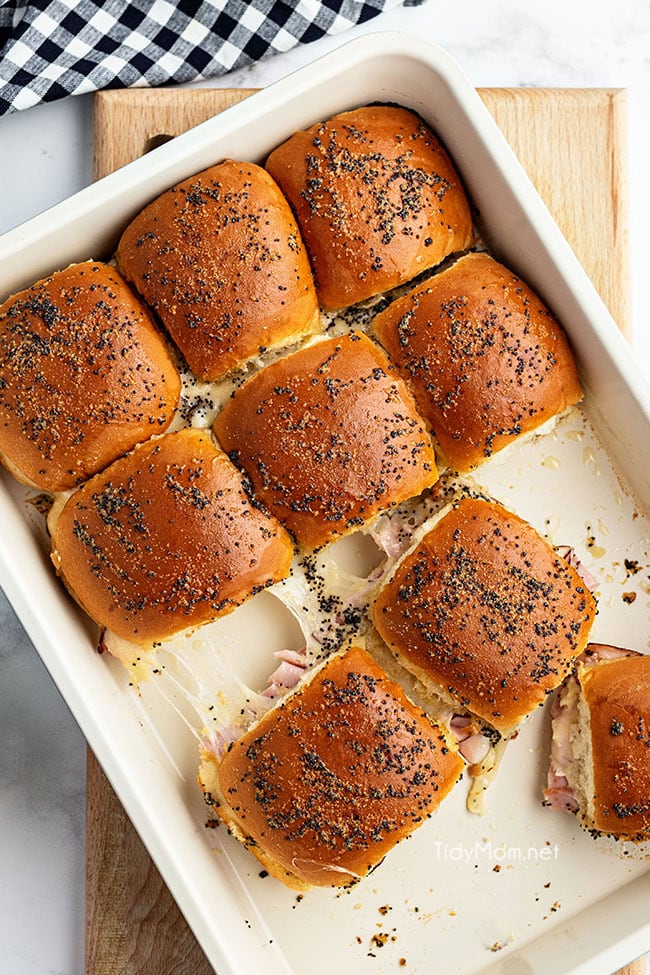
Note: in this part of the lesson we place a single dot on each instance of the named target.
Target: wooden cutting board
(572, 143)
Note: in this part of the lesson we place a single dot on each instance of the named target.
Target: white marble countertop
(45, 154)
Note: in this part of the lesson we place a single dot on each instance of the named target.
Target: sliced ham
(595, 652)
(217, 742)
(568, 553)
(460, 722)
(559, 793)
(461, 727)
(474, 749)
(287, 675)
(472, 745)
(294, 657)
(388, 537)
(284, 678)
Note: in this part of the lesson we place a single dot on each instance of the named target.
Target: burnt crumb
(499, 945)
(629, 597)
(41, 502)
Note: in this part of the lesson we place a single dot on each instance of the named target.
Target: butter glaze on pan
(486, 360)
(220, 259)
(166, 539)
(377, 200)
(84, 376)
(329, 437)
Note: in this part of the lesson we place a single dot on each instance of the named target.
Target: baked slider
(377, 200)
(165, 539)
(329, 436)
(486, 360)
(485, 614)
(600, 754)
(220, 259)
(84, 376)
(326, 783)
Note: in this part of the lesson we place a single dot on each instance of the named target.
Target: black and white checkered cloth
(52, 48)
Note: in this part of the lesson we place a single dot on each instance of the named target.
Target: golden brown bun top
(84, 376)
(220, 259)
(165, 539)
(329, 436)
(486, 360)
(484, 608)
(328, 781)
(618, 694)
(377, 200)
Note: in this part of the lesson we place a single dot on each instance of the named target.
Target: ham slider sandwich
(486, 360)
(600, 753)
(326, 783)
(377, 200)
(484, 613)
(84, 376)
(165, 539)
(329, 437)
(220, 259)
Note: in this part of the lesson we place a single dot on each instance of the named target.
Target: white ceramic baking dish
(556, 903)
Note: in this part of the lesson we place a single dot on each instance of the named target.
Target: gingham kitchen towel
(52, 48)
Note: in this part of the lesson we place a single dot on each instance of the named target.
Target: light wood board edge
(160, 111)
(586, 183)
(133, 925)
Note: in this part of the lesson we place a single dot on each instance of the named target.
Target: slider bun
(329, 436)
(377, 200)
(166, 539)
(220, 259)
(485, 614)
(617, 728)
(326, 783)
(84, 376)
(486, 360)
